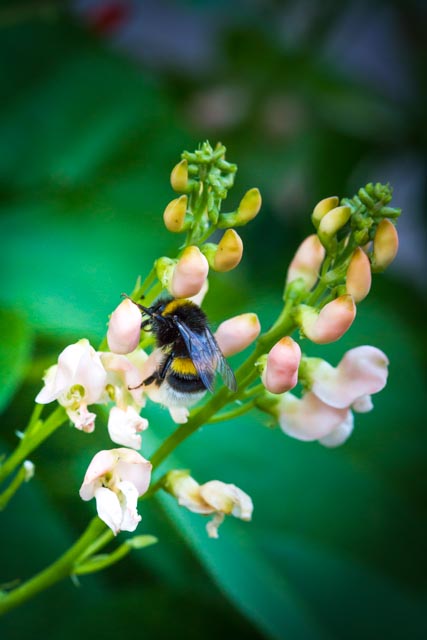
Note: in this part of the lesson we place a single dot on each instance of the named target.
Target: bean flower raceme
(76, 381)
(116, 478)
(214, 497)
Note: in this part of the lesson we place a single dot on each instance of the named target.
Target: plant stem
(60, 569)
(32, 439)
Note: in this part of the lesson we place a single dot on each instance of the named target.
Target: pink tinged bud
(189, 274)
(229, 251)
(174, 214)
(125, 426)
(322, 208)
(307, 261)
(386, 244)
(331, 323)
(235, 334)
(309, 418)
(359, 278)
(124, 328)
(281, 371)
(115, 479)
(361, 372)
(199, 297)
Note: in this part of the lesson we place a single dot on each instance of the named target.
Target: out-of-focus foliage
(87, 140)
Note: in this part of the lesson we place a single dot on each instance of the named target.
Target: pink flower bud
(281, 371)
(358, 281)
(124, 328)
(331, 323)
(307, 261)
(235, 334)
(189, 274)
(386, 244)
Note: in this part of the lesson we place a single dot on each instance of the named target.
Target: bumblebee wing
(206, 356)
(222, 365)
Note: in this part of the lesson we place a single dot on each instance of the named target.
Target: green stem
(57, 571)
(233, 413)
(38, 432)
(20, 477)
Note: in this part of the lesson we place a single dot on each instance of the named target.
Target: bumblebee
(187, 356)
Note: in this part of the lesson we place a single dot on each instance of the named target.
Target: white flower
(116, 479)
(214, 497)
(77, 381)
(125, 375)
(124, 427)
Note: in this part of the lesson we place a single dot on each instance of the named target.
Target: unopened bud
(331, 223)
(235, 334)
(331, 323)
(359, 278)
(179, 177)
(229, 252)
(174, 214)
(307, 261)
(281, 371)
(247, 210)
(189, 274)
(124, 328)
(322, 208)
(386, 244)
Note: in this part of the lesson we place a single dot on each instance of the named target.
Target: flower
(359, 278)
(124, 327)
(325, 412)
(116, 478)
(281, 370)
(229, 251)
(76, 381)
(214, 497)
(237, 333)
(125, 374)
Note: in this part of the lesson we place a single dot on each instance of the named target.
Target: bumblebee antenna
(140, 306)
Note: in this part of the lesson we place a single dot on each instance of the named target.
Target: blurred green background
(311, 100)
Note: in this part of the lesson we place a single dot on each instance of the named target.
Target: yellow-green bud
(332, 222)
(358, 280)
(179, 176)
(247, 210)
(229, 252)
(386, 244)
(322, 208)
(174, 214)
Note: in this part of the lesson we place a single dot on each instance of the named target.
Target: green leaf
(15, 350)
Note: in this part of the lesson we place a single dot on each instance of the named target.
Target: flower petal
(128, 498)
(308, 418)
(109, 508)
(124, 427)
(340, 434)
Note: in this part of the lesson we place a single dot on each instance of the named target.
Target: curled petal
(235, 334)
(227, 498)
(101, 464)
(281, 371)
(363, 404)
(124, 427)
(109, 508)
(82, 419)
(340, 434)
(214, 524)
(187, 491)
(309, 418)
(361, 372)
(124, 328)
(331, 323)
(128, 496)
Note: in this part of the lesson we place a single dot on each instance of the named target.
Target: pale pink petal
(131, 466)
(102, 463)
(363, 404)
(124, 427)
(340, 434)
(109, 508)
(307, 261)
(189, 274)
(334, 319)
(179, 414)
(362, 371)
(82, 419)
(308, 418)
